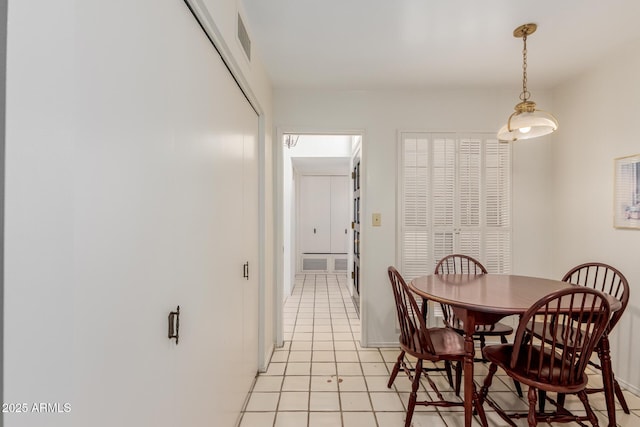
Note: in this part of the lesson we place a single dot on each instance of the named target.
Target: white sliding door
(323, 223)
(315, 214)
(131, 188)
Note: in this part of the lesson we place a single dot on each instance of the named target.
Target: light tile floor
(323, 377)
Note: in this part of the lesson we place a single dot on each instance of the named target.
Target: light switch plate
(376, 220)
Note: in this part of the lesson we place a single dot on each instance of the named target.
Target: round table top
(490, 293)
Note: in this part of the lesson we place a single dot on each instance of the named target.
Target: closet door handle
(174, 324)
(245, 272)
(314, 231)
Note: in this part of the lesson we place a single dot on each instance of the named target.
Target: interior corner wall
(381, 114)
(598, 112)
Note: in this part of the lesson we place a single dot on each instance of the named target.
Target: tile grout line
(286, 366)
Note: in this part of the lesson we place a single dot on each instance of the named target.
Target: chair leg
(604, 354)
(396, 369)
(543, 401)
(414, 393)
(477, 402)
(493, 368)
(560, 398)
(531, 417)
(590, 414)
(458, 377)
(447, 368)
(516, 384)
(518, 388)
(620, 396)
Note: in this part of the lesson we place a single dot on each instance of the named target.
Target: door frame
(279, 227)
(3, 80)
(355, 157)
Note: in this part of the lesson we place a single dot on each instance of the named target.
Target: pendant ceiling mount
(526, 29)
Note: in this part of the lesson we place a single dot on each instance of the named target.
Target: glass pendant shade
(526, 125)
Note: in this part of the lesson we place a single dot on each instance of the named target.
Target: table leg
(469, 326)
(604, 353)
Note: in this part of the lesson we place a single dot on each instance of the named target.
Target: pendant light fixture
(527, 121)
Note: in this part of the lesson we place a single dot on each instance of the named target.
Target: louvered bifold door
(455, 197)
(469, 196)
(415, 233)
(443, 198)
(497, 199)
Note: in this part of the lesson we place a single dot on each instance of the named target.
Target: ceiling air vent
(244, 39)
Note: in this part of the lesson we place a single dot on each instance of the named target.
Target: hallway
(322, 377)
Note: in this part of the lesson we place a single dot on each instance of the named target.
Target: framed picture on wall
(627, 192)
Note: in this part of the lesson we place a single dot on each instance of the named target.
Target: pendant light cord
(524, 96)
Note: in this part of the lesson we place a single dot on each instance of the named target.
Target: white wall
(381, 114)
(104, 104)
(598, 112)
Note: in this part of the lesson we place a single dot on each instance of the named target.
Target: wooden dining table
(484, 299)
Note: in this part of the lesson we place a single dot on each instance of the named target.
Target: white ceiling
(364, 44)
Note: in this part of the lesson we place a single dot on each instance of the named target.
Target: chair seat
(494, 330)
(570, 338)
(501, 356)
(447, 344)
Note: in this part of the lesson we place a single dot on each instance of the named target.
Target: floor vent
(243, 37)
(340, 264)
(314, 264)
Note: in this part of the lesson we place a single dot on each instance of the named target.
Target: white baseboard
(269, 353)
(394, 344)
(625, 385)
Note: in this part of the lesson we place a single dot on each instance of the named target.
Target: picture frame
(627, 192)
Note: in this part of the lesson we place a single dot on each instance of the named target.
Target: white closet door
(315, 214)
(249, 243)
(340, 214)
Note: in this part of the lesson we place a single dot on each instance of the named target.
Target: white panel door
(340, 223)
(315, 214)
(249, 244)
(212, 242)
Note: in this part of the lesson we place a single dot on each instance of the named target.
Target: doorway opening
(320, 210)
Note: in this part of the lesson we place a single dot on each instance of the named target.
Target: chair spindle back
(413, 331)
(604, 278)
(574, 319)
(457, 264)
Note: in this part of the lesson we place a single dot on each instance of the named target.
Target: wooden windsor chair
(464, 264)
(610, 281)
(425, 344)
(578, 317)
